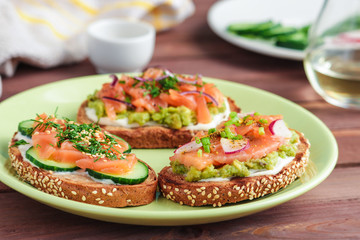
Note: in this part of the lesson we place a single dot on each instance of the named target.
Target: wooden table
(329, 211)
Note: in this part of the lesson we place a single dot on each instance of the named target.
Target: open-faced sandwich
(80, 162)
(158, 109)
(249, 156)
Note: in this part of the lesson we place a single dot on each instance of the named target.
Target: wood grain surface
(329, 211)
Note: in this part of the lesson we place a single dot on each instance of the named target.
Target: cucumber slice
(47, 164)
(26, 127)
(297, 41)
(241, 28)
(267, 26)
(139, 174)
(251, 28)
(129, 147)
(278, 31)
(305, 29)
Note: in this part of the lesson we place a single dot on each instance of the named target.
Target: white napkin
(47, 33)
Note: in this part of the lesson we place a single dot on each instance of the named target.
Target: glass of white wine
(332, 61)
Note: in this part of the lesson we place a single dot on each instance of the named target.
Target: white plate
(288, 12)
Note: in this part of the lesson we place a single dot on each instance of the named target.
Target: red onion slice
(187, 81)
(231, 146)
(167, 74)
(161, 78)
(114, 80)
(188, 147)
(118, 100)
(142, 79)
(204, 93)
(279, 128)
(150, 79)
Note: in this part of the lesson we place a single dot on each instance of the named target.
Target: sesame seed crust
(149, 136)
(237, 189)
(82, 188)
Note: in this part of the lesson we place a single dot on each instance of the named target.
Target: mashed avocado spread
(237, 168)
(173, 117)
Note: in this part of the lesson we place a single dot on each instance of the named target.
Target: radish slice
(279, 128)
(188, 147)
(231, 146)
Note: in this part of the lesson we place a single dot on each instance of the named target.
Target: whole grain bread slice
(81, 187)
(149, 136)
(218, 193)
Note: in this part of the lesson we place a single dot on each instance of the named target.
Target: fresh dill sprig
(87, 138)
(20, 142)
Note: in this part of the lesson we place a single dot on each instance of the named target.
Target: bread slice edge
(81, 187)
(175, 188)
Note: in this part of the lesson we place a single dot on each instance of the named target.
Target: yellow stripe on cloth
(89, 9)
(31, 19)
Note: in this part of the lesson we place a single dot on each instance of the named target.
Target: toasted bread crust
(149, 136)
(81, 187)
(175, 188)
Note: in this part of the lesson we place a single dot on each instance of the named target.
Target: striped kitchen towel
(47, 33)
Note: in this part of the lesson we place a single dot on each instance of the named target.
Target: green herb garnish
(263, 121)
(211, 130)
(261, 131)
(249, 122)
(169, 83)
(223, 134)
(234, 120)
(85, 138)
(205, 141)
(199, 153)
(229, 134)
(20, 142)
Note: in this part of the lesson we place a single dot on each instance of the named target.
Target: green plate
(68, 94)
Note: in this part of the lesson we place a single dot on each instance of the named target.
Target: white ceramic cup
(117, 45)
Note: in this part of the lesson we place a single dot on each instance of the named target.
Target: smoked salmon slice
(53, 140)
(108, 166)
(253, 128)
(202, 111)
(158, 88)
